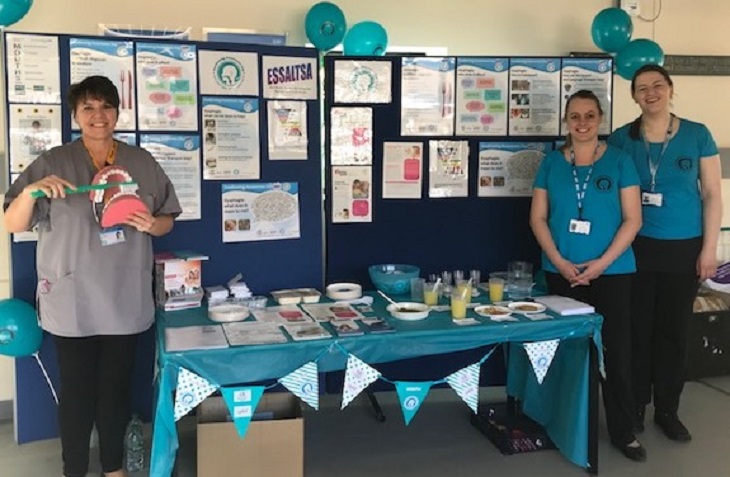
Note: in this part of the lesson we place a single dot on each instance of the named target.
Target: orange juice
(496, 289)
(458, 306)
(464, 288)
(431, 294)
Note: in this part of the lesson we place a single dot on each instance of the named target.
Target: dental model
(119, 199)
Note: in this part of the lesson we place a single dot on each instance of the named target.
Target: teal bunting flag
(411, 395)
(242, 402)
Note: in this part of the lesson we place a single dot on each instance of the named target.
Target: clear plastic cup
(417, 289)
(458, 305)
(496, 289)
(431, 292)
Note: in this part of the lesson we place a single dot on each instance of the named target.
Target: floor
(441, 441)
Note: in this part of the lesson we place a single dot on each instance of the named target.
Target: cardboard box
(272, 447)
(178, 280)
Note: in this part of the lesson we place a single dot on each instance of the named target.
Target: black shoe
(672, 427)
(639, 421)
(637, 454)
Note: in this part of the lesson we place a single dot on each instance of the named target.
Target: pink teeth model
(119, 201)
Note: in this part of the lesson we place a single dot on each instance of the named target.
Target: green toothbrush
(85, 188)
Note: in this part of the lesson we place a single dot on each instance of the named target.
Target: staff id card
(579, 227)
(651, 198)
(112, 236)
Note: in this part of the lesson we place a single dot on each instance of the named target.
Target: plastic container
(393, 279)
(134, 445)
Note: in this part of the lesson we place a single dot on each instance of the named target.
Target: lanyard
(654, 166)
(110, 158)
(580, 191)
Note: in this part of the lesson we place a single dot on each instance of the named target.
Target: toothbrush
(85, 188)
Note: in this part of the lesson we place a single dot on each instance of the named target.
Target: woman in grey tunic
(94, 284)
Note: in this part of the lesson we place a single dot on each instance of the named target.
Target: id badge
(580, 227)
(651, 198)
(112, 236)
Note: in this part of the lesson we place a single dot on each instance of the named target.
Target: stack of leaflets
(346, 328)
(306, 331)
(377, 325)
(285, 314)
(565, 306)
(194, 337)
(332, 312)
(253, 333)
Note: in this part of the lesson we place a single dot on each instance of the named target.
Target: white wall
(498, 27)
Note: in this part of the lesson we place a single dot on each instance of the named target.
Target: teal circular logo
(363, 80)
(228, 73)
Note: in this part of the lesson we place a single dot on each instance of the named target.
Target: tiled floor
(440, 441)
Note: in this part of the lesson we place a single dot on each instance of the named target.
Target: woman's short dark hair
(635, 128)
(93, 87)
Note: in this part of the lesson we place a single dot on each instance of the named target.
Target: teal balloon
(366, 39)
(12, 11)
(325, 25)
(20, 334)
(637, 54)
(612, 29)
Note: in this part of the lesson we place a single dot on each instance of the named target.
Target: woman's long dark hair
(635, 128)
(580, 94)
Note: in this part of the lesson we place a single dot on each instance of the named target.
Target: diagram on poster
(113, 59)
(351, 132)
(427, 96)
(448, 169)
(167, 82)
(481, 96)
(402, 170)
(263, 211)
(228, 73)
(351, 196)
(359, 81)
(33, 129)
(534, 97)
(33, 65)
(594, 75)
(288, 133)
(509, 168)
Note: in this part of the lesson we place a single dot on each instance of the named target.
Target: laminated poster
(228, 73)
(360, 81)
(427, 96)
(402, 170)
(593, 74)
(482, 85)
(508, 169)
(351, 131)
(33, 68)
(288, 133)
(448, 169)
(33, 129)
(262, 211)
(534, 97)
(286, 77)
(231, 138)
(351, 194)
(29, 236)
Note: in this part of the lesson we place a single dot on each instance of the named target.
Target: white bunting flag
(465, 382)
(304, 384)
(358, 376)
(191, 391)
(541, 354)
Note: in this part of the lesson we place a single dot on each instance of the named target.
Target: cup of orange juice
(496, 289)
(431, 292)
(464, 287)
(458, 305)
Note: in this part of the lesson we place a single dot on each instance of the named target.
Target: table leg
(592, 409)
(376, 406)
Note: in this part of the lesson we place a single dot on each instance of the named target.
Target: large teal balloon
(325, 25)
(366, 39)
(637, 54)
(11, 11)
(20, 334)
(612, 29)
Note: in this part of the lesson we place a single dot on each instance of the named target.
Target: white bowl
(408, 311)
(228, 312)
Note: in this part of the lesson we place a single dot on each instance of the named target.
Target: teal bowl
(393, 279)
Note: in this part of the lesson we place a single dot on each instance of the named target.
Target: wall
(528, 27)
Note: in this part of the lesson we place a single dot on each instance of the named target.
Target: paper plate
(493, 311)
(526, 307)
(415, 311)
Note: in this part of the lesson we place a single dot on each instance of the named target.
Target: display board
(218, 117)
(430, 161)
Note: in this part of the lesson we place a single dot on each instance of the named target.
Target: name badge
(112, 236)
(651, 198)
(579, 227)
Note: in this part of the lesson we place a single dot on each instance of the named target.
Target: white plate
(417, 311)
(526, 307)
(493, 311)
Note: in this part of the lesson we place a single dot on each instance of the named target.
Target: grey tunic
(84, 288)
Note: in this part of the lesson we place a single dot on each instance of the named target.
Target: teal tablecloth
(560, 403)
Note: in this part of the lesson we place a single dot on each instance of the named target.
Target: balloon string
(45, 374)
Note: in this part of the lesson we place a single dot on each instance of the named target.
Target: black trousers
(663, 292)
(96, 375)
(610, 296)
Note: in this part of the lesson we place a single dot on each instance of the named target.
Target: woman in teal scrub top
(676, 248)
(585, 214)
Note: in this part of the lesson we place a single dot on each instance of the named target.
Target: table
(565, 403)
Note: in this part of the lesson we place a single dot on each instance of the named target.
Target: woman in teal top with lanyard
(585, 214)
(676, 248)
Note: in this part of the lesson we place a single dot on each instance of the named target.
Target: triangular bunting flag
(242, 402)
(304, 384)
(191, 391)
(465, 382)
(358, 376)
(541, 354)
(411, 395)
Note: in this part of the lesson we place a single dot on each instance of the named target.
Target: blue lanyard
(654, 166)
(580, 191)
